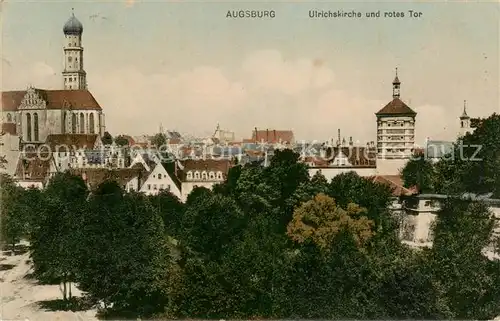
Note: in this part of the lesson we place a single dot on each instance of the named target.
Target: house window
(212, 175)
(9, 117)
(149, 186)
(161, 186)
(189, 175)
(168, 187)
(154, 186)
(159, 176)
(197, 175)
(219, 175)
(204, 175)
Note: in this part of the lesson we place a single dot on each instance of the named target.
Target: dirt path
(19, 296)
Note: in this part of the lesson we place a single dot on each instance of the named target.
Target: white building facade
(395, 133)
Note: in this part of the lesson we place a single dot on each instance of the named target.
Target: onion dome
(73, 26)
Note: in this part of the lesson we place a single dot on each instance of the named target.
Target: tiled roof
(172, 171)
(33, 167)
(78, 141)
(95, 176)
(396, 107)
(55, 99)
(272, 136)
(204, 164)
(9, 128)
(395, 182)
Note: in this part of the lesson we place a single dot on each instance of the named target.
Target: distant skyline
(186, 66)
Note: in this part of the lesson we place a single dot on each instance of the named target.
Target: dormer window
(219, 175)
(204, 175)
(212, 175)
(159, 176)
(197, 175)
(190, 175)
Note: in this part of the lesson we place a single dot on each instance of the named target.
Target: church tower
(74, 77)
(395, 133)
(465, 124)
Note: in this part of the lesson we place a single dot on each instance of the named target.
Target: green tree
(211, 223)
(121, 140)
(419, 172)
(159, 140)
(171, 211)
(462, 231)
(107, 139)
(124, 259)
(13, 222)
(320, 220)
(57, 230)
(375, 198)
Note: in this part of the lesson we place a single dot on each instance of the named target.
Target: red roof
(272, 136)
(55, 99)
(396, 107)
(9, 128)
(395, 182)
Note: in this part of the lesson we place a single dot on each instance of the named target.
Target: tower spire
(74, 76)
(396, 85)
(464, 113)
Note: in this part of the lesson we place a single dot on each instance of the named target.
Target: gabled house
(34, 169)
(123, 176)
(163, 177)
(202, 173)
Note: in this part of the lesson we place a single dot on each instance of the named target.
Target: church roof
(396, 107)
(55, 99)
(63, 141)
(271, 136)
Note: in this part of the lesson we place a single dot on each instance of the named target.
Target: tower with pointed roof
(395, 133)
(74, 76)
(465, 123)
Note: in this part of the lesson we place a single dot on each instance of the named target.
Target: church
(34, 113)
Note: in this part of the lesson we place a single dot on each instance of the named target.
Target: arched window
(219, 175)
(28, 127)
(73, 124)
(82, 123)
(204, 175)
(211, 175)
(63, 127)
(197, 175)
(91, 123)
(9, 118)
(35, 120)
(190, 175)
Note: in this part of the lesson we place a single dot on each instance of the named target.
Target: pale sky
(186, 66)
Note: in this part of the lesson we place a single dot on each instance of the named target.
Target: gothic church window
(73, 122)
(35, 116)
(82, 123)
(91, 123)
(28, 128)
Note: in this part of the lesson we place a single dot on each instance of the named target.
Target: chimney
(267, 136)
(256, 134)
(350, 141)
(338, 139)
(343, 142)
(275, 138)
